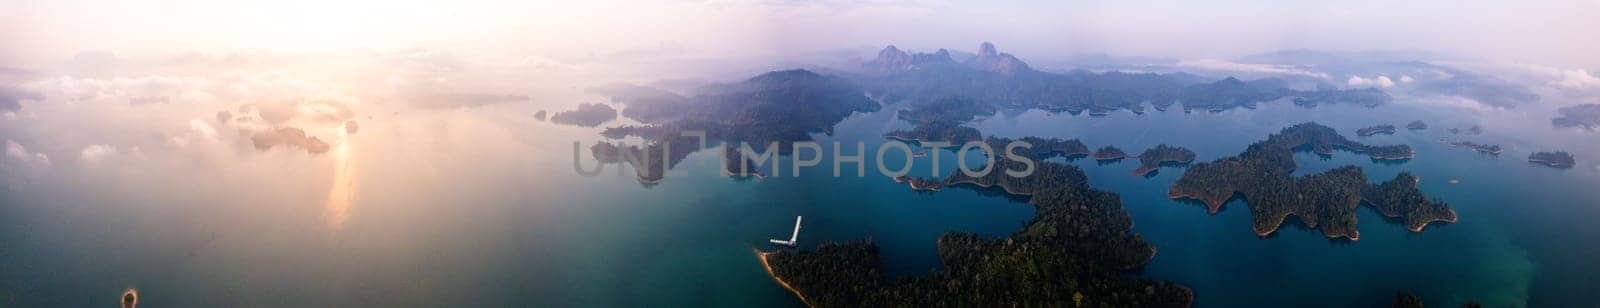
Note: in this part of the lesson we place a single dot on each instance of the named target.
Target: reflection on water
(338, 206)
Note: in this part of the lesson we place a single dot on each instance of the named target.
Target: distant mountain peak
(785, 76)
(892, 60)
(991, 59)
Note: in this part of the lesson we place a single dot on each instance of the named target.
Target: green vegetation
(921, 183)
(946, 131)
(782, 107)
(953, 109)
(586, 115)
(1385, 129)
(1076, 251)
(1326, 201)
(1557, 159)
(1491, 149)
(1044, 148)
(1109, 153)
(1160, 155)
(1406, 300)
(1399, 198)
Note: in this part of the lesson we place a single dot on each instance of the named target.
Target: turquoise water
(482, 207)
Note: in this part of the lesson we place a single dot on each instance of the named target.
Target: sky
(217, 83)
(1555, 33)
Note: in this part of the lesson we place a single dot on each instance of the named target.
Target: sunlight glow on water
(343, 186)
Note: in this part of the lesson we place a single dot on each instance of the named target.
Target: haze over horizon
(1554, 33)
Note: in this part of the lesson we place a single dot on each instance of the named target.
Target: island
(1326, 201)
(945, 131)
(1491, 149)
(1557, 159)
(589, 115)
(955, 109)
(1109, 153)
(1077, 250)
(1162, 155)
(1417, 125)
(1586, 116)
(1385, 129)
(539, 115)
(1474, 130)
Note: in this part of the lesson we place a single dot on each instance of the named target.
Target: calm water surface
(486, 210)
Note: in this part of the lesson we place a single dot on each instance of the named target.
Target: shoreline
(1211, 207)
(763, 255)
(1453, 218)
(1353, 235)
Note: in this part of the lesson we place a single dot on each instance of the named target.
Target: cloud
(11, 98)
(1381, 81)
(15, 151)
(318, 111)
(1577, 80)
(1224, 65)
(96, 153)
(288, 136)
(203, 129)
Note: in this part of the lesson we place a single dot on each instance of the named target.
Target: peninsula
(1326, 201)
(1078, 250)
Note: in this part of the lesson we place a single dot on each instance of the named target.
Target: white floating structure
(793, 238)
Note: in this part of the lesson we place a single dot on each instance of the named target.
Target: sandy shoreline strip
(768, 265)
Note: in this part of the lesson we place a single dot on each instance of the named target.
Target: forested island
(1557, 159)
(1586, 116)
(1385, 129)
(1326, 201)
(1491, 149)
(586, 115)
(1417, 125)
(1109, 153)
(950, 109)
(1153, 158)
(946, 131)
(1077, 250)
